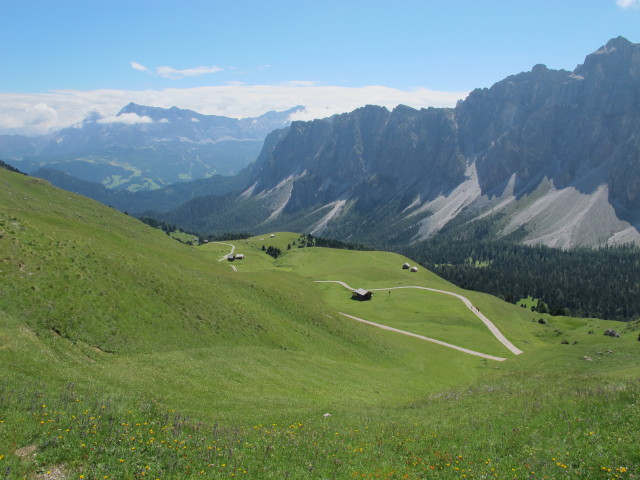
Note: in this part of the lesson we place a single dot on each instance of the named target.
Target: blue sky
(61, 59)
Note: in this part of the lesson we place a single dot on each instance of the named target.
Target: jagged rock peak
(614, 44)
(618, 55)
(274, 113)
(539, 69)
(158, 113)
(131, 107)
(404, 109)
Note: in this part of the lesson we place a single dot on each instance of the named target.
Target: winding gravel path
(428, 339)
(233, 249)
(492, 328)
(225, 257)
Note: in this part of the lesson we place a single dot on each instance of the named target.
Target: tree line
(169, 227)
(6, 166)
(583, 282)
(308, 240)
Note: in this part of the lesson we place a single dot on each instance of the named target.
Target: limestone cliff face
(508, 129)
(561, 125)
(348, 155)
(534, 132)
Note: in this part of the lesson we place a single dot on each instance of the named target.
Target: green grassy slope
(86, 280)
(111, 330)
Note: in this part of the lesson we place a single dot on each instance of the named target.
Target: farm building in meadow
(405, 266)
(240, 256)
(361, 294)
(414, 269)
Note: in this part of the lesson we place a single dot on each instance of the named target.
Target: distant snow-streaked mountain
(145, 147)
(550, 154)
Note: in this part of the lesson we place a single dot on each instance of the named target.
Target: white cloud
(137, 66)
(39, 113)
(32, 115)
(170, 72)
(299, 83)
(628, 3)
(126, 118)
(174, 73)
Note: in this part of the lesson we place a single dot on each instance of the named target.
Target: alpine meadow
(337, 240)
(127, 354)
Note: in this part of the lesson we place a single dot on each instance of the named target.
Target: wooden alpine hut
(361, 294)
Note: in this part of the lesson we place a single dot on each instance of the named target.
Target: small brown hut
(361, 294)
(405, 266)
(414, 269)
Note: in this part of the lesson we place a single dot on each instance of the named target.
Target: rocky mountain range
(543, 157)
(144, 147)
(548, 156)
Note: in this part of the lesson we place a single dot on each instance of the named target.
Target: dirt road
(490, 325)
(226, 257)
(427, 339)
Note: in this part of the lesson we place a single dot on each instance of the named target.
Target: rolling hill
(126, 354)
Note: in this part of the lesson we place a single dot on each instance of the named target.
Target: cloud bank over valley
(41, 113)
